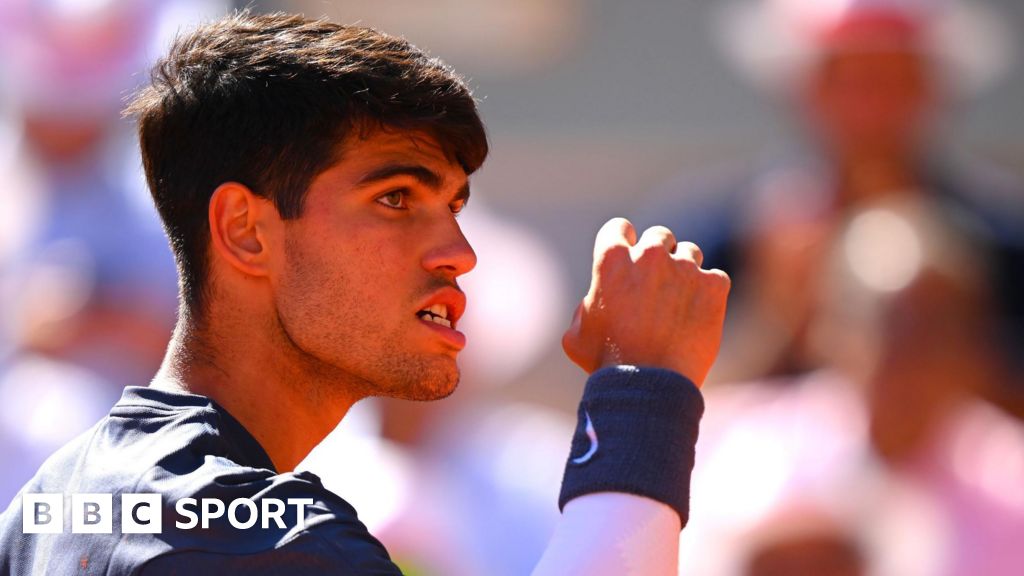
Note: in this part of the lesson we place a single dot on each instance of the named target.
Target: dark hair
(266, 101)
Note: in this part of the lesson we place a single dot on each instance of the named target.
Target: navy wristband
(636, 434)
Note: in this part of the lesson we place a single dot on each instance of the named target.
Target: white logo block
(141, 514)
(92, 513)
(42, 513)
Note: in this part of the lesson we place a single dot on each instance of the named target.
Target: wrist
(686, 370)
(636, 434)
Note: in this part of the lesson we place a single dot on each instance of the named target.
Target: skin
(320, 311)
(307, 316)
(812, 555)
(871, 110)
(649, 304)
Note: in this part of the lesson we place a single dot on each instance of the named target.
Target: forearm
(613, 534)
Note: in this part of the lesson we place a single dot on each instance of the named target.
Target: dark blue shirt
(635, 434)
(185, 446)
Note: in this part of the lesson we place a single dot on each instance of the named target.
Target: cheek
(343, 280)
(314, 291)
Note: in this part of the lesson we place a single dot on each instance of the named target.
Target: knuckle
(691, 249)
(659, 232)
(659, 236)
(688, 266)
(724, 279)
(619, 223)
(719, 280)
(617, 227)
(651, 254)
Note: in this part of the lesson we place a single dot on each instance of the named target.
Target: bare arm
(613, 534)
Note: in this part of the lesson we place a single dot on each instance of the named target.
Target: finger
(571, 342)
(615, 232)
(720, 278)
(655, 237)
(689, 251)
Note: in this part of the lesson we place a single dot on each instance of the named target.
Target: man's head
(315, 169)
(873, 85)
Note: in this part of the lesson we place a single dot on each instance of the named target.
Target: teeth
(439, 310)
(438, 314)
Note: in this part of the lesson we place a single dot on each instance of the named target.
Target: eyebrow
(422, 174)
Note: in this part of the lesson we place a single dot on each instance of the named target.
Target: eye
(394, 199)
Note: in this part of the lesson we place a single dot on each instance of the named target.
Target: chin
(424, 381)
(438, 385)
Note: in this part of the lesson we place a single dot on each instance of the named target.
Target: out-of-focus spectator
(869, 83)
(891, 454)
(87, 281)
(877, 273)
(804, 541)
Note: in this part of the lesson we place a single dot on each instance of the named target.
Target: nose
(452, 255)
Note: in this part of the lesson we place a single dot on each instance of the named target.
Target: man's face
(377, 248)
(871, 101)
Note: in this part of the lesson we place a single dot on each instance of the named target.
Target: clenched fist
(649, 304)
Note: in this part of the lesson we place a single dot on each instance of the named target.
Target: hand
(649, 304)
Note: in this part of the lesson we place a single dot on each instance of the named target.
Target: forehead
(874, 61)
(365, 151)
(362, 155)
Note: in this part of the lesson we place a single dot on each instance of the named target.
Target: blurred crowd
(88, 283)
(865, 414)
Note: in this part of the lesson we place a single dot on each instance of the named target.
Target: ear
(239, 222)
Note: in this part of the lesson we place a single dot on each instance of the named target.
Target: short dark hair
(266, 101)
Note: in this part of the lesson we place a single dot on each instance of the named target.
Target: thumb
(571, 340)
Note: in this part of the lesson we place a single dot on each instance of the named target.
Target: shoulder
(240, 518)
(985, 190)
(329, 547)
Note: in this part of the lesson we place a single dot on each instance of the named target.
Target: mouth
(438, 314)
(443, 307)
(441, 313)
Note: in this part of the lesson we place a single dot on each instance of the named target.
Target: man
(309, 176)
(870, 84)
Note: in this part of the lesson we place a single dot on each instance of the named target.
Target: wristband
(636, 432)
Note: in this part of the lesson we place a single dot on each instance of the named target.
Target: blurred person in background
(87, 279)
(890, 462)
(869, 82)
(803, 541)
(877, 305)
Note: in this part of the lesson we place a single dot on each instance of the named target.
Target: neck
(287, 409)
(865, 177)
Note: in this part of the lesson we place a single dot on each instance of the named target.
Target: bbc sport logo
(143, 513)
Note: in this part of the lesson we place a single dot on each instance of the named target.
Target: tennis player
(309, 177)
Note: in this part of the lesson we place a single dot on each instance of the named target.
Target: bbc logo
(91, 513)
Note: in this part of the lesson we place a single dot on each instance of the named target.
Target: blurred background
(855, 165)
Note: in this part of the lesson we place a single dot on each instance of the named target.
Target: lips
(438, 314)
(443, 308)
(441, 312)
